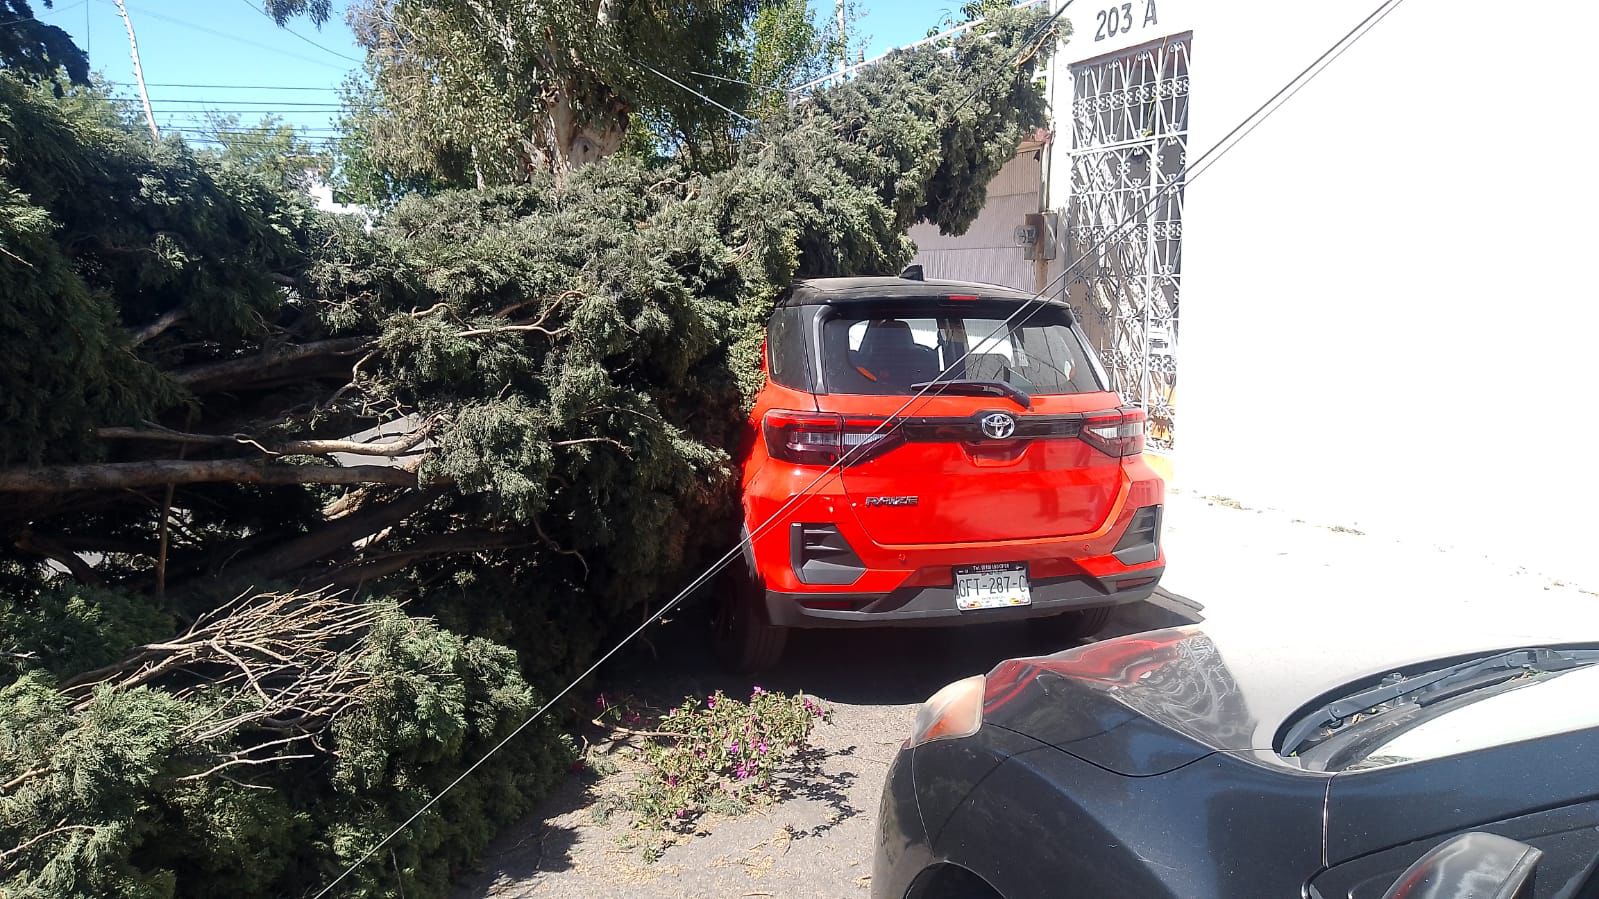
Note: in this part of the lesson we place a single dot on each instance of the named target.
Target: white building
(1377, 300)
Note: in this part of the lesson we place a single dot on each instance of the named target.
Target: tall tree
(480, 92)
(38, 49)
(270, 147)
(786, 48)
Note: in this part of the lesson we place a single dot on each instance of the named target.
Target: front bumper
(934, 606)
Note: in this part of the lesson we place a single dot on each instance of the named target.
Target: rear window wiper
(979, 388)
(1521, 660)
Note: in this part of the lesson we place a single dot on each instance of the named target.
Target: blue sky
(227, 55)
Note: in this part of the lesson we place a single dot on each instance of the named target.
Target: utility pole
(843, 41)
(138, 71)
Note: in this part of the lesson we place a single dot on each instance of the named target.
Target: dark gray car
(1154, 765)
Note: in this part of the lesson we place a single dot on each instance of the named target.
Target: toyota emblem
(998, 425)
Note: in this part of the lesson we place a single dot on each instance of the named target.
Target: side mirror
(1470, 866)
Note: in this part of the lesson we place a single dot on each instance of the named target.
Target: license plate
(992, 586)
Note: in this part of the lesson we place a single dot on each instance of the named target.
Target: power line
(182, 23)
(298, 34)
(737, 115)
(241, 87)
(241, 103)
(48, 12)
(1203, 163)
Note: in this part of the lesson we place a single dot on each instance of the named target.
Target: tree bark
(444, 544)
(335, 536)
(159, 326)
(235, 372)
(390, 448)
(128, 475)
(75, 565)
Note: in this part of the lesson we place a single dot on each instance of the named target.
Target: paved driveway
(1249, 568)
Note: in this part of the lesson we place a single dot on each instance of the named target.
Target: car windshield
(1508, 708)
(890, 349)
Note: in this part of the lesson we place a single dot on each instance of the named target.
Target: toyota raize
(934, 453)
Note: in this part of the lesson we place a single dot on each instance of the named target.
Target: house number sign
(1122, 18)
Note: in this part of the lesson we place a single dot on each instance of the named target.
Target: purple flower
(757, 691)
(742, 772)
(761, 747)
(710, 702)
(671, 780)
(682, 813)
(734, 746)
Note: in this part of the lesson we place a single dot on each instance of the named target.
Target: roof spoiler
(913, 272)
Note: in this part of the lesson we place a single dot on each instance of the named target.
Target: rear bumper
(934, 606)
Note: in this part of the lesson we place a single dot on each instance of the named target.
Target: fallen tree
(511, 409)
(255, 751)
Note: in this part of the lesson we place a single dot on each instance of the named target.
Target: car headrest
(887, 335)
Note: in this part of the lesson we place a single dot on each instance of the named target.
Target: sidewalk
(1267, 569)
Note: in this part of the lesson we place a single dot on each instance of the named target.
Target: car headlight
(955, 711)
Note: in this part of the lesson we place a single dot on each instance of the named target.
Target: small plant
(720, 755)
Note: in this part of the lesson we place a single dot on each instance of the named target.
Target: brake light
(955, 711)
(822, 438)
(1119, 432)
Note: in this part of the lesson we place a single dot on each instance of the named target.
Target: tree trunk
(159, 473)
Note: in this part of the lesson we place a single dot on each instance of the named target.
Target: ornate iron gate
(1129, 148)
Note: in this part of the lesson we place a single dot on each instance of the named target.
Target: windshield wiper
(1515, 662)
(979, 388)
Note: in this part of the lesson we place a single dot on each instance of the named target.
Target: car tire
(745, 641)
(1072, 625)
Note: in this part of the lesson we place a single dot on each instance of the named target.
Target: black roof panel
(830, 291)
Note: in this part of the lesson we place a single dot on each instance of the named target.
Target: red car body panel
(1059, 504)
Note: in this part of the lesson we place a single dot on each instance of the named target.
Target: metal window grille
(1130, 142)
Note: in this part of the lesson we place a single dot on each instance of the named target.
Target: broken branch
(129, 475)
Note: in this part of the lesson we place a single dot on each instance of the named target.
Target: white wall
(1387, 315)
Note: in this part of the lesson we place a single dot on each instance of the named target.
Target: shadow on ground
(539, 847)
(888, 666)
(817, 841)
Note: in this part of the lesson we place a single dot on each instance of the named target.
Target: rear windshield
(886, 350)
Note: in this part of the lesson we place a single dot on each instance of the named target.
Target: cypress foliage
(558, 370)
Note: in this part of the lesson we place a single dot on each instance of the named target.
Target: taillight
(1119, 432)
(822, 438)
(955, 711)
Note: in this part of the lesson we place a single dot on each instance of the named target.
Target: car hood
(1148, 703)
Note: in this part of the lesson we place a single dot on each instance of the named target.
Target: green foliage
(67, 629)
(124, 807)
(577, 351)
(100, 232)
(34, 49)
(723, 753)
(485, 93)
(271, 148)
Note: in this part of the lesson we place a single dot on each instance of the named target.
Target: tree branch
(128, 475)
(391, 448)
(159, 326)
(444, 544)
(6, 856)
(23, 778)
(337, 535)
(221, 375)
(71, 561)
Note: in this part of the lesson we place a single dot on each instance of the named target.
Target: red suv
(1014, 488)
